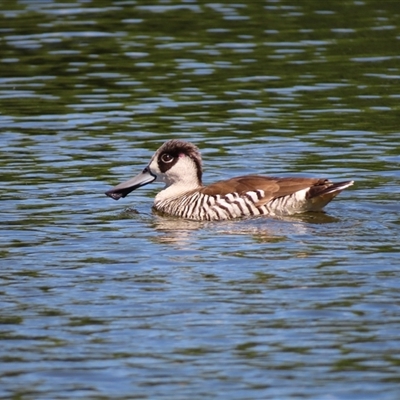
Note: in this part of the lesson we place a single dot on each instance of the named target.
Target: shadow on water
(265, 229)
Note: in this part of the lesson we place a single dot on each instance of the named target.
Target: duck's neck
(177, 189)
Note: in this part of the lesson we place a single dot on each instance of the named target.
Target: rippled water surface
(104, 299)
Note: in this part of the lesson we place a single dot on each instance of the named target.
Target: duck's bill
(124, 188)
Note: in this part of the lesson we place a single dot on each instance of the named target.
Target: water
(103, 299)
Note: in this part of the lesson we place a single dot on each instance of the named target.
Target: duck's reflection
(183, 233)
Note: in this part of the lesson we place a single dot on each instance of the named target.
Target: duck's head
(176, 163)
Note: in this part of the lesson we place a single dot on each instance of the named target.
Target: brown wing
(273, 187)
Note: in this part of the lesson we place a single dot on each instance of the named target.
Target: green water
(103, 299)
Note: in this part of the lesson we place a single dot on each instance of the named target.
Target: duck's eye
(167, 158)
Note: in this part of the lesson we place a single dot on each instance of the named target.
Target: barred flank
(199, 206)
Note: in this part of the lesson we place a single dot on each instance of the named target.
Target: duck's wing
(268, 188)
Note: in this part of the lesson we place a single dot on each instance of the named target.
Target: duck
(178, 164)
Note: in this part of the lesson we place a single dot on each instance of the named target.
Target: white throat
(179, 179)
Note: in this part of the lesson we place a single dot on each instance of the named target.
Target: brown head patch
(170, 152)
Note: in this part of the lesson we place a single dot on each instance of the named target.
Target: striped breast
(202, 207)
